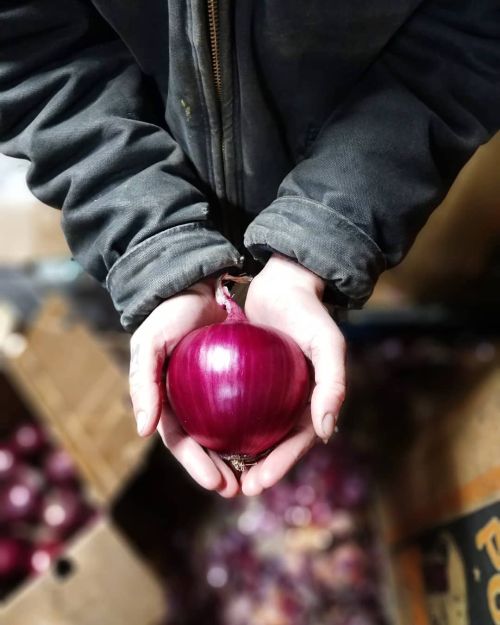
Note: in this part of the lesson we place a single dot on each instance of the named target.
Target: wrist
(204, 288)
(294, 274)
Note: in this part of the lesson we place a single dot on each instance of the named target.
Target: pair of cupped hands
(285, 296)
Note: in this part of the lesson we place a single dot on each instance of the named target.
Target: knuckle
(133, 375)
(331, 390)
(339, 390)
(334, 337)
(135, 390)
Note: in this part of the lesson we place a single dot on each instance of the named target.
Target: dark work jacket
(325, 130)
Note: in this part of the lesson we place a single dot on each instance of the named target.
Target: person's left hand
(286, 296)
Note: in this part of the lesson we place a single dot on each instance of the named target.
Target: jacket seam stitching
(147, 242)
(269, 242)
(359, 232)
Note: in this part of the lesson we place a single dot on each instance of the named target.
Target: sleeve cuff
(164, 265)
(323, 241)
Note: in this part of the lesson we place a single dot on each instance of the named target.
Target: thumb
(145, 380)
(328, 359)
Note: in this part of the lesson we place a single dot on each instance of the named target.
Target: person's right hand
(150, 346)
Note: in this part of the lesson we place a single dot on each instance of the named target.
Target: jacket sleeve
(387, 156)
(75, 103)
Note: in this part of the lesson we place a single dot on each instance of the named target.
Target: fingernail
(326, 440)
(142, 422)
(328, 425)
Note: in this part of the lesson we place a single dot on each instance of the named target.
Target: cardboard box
(98, 581)
(441, 510)
(71, 381)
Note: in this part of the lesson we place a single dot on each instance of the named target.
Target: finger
(229, 486)
(274, 467)
(250, 482)
(145, 380)
(327, 355)
(188, 452)
(271, 470)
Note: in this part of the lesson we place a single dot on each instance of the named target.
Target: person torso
(247, 85)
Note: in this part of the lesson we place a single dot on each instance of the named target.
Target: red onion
(20, 496)
(348, 566)
(7, 461)
(354, 491)
(237, 388)
(13, 560)
(59, 467)
(63, 510)
(42, 556)
(29, 439)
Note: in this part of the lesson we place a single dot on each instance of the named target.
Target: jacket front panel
(286, 70)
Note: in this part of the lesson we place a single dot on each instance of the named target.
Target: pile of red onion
(237, 388)
(41, 504)
(303, 552)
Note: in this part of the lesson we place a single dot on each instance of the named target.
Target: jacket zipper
(213, 27)
(215, 53)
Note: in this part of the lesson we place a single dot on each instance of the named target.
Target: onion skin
(20, 497)
(13, 558)
(29, 439)
(42, 555)
(63, 511)
(237, 388)
(8, 461)
(59, 467)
